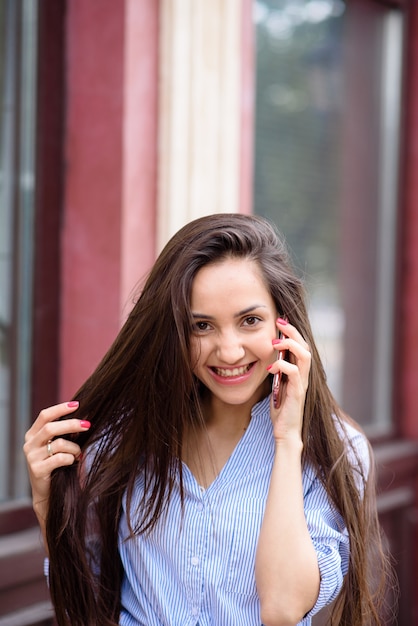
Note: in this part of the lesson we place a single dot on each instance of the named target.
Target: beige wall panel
(199, 119)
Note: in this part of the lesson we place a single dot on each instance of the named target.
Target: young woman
(173, 490)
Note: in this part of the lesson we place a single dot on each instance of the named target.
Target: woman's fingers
(45, 447)
(49, 426)
(295, 364)
(296, 355)
(50, 415)
(290, 332)
(53, 448)
(40, 469)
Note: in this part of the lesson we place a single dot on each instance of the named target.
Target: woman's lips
(231, 374)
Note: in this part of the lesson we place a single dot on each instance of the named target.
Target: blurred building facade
(123, 120)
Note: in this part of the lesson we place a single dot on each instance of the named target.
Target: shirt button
(194, 560)
(199, 506)
(195, 610)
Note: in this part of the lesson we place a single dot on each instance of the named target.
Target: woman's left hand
(287, 418)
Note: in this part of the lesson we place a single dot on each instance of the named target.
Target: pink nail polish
(276, 341)
(282, 321)
(72, 404)
(85, 424)
(269, 366)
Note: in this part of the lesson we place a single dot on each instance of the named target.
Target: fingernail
(72, 404)
(269, 366)
(85, 424)
(280, 320)
(80, 457)
(276, 341)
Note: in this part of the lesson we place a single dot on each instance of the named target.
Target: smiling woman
(234, 328)
(183, 448)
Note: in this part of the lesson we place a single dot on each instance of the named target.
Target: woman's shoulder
(357, 451)
(352, 435)
(357, 446)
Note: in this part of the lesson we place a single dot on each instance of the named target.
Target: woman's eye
(251, 320)
(201, 326)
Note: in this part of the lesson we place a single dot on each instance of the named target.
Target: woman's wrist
(291, 442)
(40, 508)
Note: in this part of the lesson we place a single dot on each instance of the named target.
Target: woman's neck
(230, 419)
(225, 419)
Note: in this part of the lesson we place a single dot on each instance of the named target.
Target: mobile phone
(275, 388)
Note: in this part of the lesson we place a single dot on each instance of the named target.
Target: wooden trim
(406, 400)
(48, 215)
(16, 516)
(22, 582)
(23, 590)
(38, 614)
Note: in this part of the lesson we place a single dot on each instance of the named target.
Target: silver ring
(49, 448)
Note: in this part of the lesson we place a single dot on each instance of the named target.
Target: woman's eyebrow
(249, 309)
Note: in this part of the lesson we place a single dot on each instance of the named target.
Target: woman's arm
(45, 450)
(287, 572)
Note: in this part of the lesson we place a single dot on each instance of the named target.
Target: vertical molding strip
(200, 111)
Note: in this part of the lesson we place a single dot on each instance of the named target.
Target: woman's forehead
(232, 281)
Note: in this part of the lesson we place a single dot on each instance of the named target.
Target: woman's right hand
(46, 450)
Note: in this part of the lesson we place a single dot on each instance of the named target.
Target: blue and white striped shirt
(198, 568)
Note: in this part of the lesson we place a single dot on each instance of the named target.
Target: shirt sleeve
(326, 526)
(330, 540)
(46, 570)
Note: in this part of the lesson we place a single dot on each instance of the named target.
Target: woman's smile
(232, 375)
(234, 324)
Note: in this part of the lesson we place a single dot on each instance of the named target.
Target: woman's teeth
(235, 371)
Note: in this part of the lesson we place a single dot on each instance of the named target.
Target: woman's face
(234, 325)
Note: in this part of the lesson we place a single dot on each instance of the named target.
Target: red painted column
(92, 196)
(406, 368)
(104, 167)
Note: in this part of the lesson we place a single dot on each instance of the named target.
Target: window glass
(326, 160)
(17, 84)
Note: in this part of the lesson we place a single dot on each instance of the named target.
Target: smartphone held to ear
(277, 379)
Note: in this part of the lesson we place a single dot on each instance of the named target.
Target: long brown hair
(143, 396)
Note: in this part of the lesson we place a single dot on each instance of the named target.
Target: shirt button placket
(197, 552)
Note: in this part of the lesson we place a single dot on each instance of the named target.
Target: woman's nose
(230, 349)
